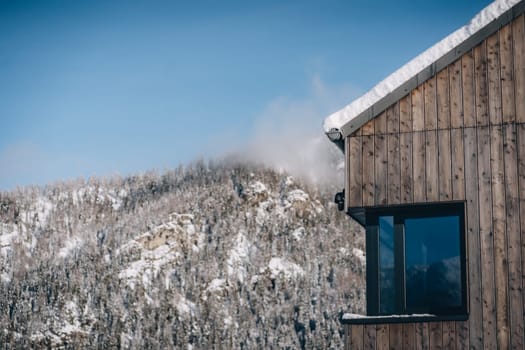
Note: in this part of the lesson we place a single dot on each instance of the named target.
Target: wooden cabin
(435, 173)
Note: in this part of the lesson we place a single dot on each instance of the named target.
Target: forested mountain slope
(217, 255)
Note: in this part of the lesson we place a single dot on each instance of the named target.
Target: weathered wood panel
(409, 336)
(417, 109)
(494, 82)
(381, 160)
(405, 114)
(457, 158)
(381, 196)
(443, 100)
(444, 174)
(486, 238)
(422, 336)
(380, 124)
(473, 239)
(355, 174)
(407, 172)
(431, 144)
(435, 333)
(383, 336)
(418, 158)
(449, 335)
(462, 338)
(369, 128)
(394, 163)
(380, 190)
(456, 95)
(396, 336)
(500, 239)
(392, 119)
(430, 105)
(347, 337)
(394, 174)
(518, 40)
(368, 170)
(507, 75)
(458, 164)
(513, 237)
(468, 91)
(480, 82)
(405, 149)
(370, 334)
(431, 166)
(356, 337)
(521, 191)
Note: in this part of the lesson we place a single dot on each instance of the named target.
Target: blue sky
(119, 87)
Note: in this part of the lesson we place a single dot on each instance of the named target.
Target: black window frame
(369, 218)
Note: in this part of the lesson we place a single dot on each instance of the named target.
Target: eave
(356, 122)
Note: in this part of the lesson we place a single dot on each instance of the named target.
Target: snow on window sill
(410, 318)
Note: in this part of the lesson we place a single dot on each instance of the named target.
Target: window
(416, 259)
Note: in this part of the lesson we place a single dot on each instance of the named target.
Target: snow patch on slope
(238, 257)
(42, 209)
(162, 246)
(359, 254)
(184, 306)
(216, 284)
(298, 233)
(72, 325)
(7, 239)
(288, 269)
(70, 246)
(298, 196)
(100, 195)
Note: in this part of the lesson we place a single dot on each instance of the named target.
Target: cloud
(289, 134)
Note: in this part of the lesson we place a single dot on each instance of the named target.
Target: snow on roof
(418, 64)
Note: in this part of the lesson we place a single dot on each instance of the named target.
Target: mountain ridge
(224, 254)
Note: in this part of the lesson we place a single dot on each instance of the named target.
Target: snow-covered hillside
(219, 255)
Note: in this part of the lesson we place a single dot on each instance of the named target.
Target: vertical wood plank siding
(396, 336)
(381, 160)
(394, 172)
(513, 244)
(449, 335)
(370, 337)
(473, 239)
(409, 336)
(354, 147)
(405, 149)
(458, 136)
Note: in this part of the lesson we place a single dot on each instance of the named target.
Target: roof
(422, 67)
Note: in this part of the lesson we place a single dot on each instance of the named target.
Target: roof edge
(431, 70)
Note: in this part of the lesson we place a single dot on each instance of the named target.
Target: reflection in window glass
(433, 271)
(386, 265)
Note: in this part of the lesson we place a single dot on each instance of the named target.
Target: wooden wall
(431, 335)
(458, 136)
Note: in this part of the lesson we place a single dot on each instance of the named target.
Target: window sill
(414, 318)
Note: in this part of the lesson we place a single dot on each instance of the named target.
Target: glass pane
(433, 271)
(387, 292)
